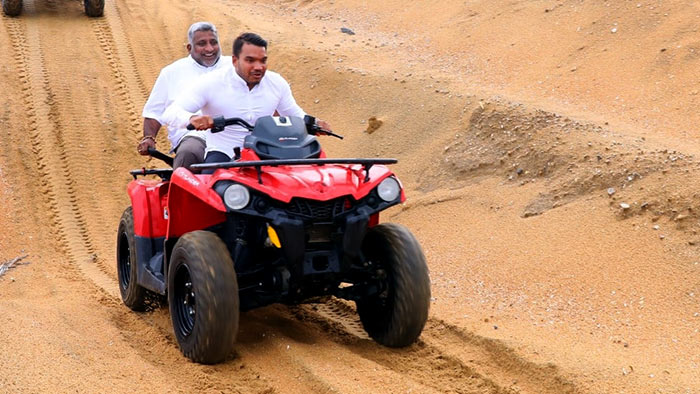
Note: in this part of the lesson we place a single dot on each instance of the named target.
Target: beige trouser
(189, 151)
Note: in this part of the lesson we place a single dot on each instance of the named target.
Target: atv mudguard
(149, 201)
(149, 204)
(192, 203)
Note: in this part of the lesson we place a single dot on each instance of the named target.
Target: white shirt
(172, 80)
(225, 93)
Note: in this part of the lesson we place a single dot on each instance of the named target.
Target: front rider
(245, 91)
(204, 57)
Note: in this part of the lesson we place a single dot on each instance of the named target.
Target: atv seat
(280, 137)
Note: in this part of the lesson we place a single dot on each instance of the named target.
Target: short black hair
(250, 38)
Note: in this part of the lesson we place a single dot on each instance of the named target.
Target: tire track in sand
(48, 142)
(445, 357)
(117, 49)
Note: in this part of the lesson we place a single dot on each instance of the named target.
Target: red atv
(281, 223)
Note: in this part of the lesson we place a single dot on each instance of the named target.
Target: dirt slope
(548, 149)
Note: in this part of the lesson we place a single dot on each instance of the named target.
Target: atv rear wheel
(133, 295)
(94, 8)
(12, 7)
(203, 297)
(396, 316)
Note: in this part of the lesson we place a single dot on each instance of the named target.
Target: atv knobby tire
(12, 7)
(203, 297)
(133, 295)
(94, 8)
(396, 316)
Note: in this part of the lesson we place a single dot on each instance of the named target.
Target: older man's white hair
(201, 26)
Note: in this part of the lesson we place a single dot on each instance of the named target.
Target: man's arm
(287, 106)
(152, 110)
(181, 110)
(186, 104)
(150, 131)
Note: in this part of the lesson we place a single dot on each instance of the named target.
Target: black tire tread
(216, 288)
(134, 296)
(401, 323)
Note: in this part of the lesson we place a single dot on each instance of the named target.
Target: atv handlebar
(161, 156)
(220, 124)
(312, 128)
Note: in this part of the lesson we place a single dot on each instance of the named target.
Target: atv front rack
(258, 164)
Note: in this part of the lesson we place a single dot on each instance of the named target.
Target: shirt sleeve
(287, 105)
(186, 105)
(158, 100)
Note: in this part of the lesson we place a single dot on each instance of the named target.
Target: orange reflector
(273, 236)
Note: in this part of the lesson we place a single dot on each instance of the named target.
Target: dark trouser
(189, 151)
(215, 157)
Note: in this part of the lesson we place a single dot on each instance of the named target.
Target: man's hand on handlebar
(323, 124)
(202, 122)
(146, 143)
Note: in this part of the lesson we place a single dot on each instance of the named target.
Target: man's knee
(190, 151)
(215, 157)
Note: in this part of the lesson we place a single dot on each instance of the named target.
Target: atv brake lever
(313, 128)
(328, 132)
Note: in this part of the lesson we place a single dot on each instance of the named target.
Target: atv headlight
(389, 189)
(236, 196)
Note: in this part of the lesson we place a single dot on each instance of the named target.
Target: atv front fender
(148, 201)
(192, 203)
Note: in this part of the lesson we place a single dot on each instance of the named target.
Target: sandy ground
(548, 149)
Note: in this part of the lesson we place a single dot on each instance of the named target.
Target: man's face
(205, 48)
(251, 63)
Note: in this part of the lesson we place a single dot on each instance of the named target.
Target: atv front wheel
(203, 297)
(12, 7)
(133, 295)
(94, 8)
(396, 316)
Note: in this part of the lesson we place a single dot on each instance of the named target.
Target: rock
(538, 206)
(347, 31)
(611, 191)
(373, 124)
(624, 206)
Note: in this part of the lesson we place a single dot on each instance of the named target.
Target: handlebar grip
(190, 126)
(219, 124)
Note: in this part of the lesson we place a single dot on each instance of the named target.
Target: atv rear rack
(163, 173)
(258, 164)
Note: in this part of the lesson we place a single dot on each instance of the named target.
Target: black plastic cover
(281, 137)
